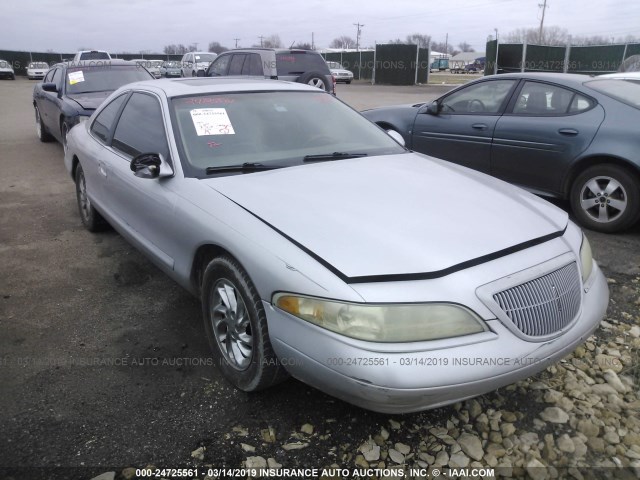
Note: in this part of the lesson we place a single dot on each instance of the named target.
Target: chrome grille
(544, 305)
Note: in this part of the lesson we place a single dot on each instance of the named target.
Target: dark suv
(303, 66)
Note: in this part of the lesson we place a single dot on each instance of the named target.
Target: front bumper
(402, 378)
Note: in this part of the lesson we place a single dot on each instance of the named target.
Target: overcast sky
(135, 25)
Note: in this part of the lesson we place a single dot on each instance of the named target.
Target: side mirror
(433, 108)
(50, 87)
(150, 165)
(396, 136)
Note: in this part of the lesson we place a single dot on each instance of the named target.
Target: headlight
(586, 258)
(384, 323)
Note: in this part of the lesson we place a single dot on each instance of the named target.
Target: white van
(194, 64)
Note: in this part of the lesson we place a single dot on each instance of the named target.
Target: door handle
(572, 132)
(102, 170)
(479, 126)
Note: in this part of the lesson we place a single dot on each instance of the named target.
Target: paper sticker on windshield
(212, 121)
(76, 77)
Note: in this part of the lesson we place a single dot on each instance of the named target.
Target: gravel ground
(91, 334)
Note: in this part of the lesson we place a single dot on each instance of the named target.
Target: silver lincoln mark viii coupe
(323, 249)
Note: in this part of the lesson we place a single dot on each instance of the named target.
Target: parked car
(567, 136)
(70, 93)
(340, 73)
(622, 75)
(6, 70)
(477, 66)
(84, 55)
(36, 70)
(195, 64)
(308, 234)
(439, 65)
(153, 66)
(302, 66)
(170, 69)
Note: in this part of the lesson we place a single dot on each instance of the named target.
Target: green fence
(392, 64)
(20, 60)
(594, 59)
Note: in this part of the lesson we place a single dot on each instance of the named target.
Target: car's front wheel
(90, 217)
(236, 327)
(64, 130)
(41, 130)
(606, 198)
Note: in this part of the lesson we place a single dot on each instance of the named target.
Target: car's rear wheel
(236, 327)
(41, 130)
(90, 217)
(315, 79)
(606, 198)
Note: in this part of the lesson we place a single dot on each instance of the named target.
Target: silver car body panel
(366, 217)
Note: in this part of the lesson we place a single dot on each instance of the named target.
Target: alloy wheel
(603, 199)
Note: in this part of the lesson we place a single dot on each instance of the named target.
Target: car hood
(89, 101)
(394, 216)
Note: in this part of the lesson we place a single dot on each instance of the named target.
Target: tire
(90, 217)
(245, 357)
(41, 130)
(200, 73)
(606, 198)
(315, 79)
(64, 131)
(348, 82)
(193, 74)
(13, 77)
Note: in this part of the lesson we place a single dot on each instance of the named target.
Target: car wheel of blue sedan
(90, 217)
(236, 327)
(41, 130)
(606, 198)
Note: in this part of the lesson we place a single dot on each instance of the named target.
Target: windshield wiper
(332, 156)
(245, 167)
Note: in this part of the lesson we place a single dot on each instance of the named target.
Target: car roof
(99, 63)
(276, 50)
(203, 85)
(568, 79)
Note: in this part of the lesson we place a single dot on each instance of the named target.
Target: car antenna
(292, 45)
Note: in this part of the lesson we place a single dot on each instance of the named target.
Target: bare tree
(419, 39)
(465, 47)
(217, 48)
(303, 46)
(442, 47)
(179, 49)
(550, 36)
(343, 41)
(272, 41)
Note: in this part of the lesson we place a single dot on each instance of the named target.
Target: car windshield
(38, 65)
(205, 57)
(624, 90)
(335, 65)
(172, 64)
(271, 128)
(4, 64)
(102, 78)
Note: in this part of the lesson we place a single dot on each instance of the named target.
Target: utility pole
(196, 44)
(236, 39)
(358, 25)
(313, 45)
(446, 44)
(261, 37)
(543, 6)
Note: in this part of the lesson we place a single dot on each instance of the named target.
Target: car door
(50, 104)
(143, 206)
(237, 61)
(462, 129)
(545, 127)
(97, 153)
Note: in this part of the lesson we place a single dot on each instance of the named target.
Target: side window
(253, 65)
(544, 99)
(235, 68)
(484, 97)
(580, 104)
(103, 123)
(219, 66)
(49, 76)
(140, 128)
(55, 77)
